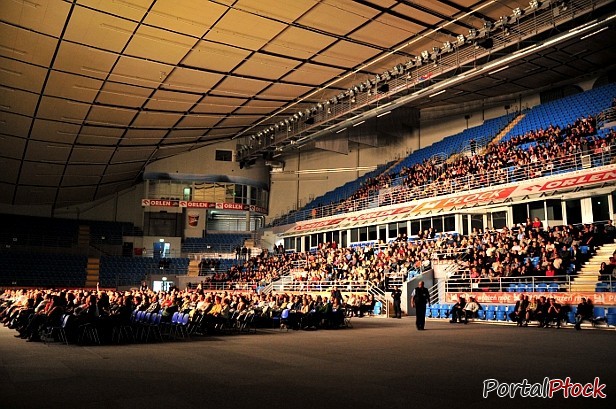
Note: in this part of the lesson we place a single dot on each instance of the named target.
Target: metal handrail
(502, 284)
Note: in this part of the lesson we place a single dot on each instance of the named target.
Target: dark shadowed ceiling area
(92, 91)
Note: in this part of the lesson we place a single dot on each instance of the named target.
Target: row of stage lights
(379, 83)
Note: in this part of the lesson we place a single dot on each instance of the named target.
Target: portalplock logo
(549, 388)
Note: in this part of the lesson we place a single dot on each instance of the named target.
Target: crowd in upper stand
(532, 154)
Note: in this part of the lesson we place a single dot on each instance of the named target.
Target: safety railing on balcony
(404, 191)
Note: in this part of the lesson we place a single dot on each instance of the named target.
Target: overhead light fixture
(340, 130)
(498, 70)
(383, 114)
(460, 40)
(592, 34)
(472, 33)
(534, 4)
(447, 47)
(518, 12)
(359, 123)
(425, 55)
(437, 93)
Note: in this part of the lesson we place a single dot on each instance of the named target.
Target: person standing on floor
(396, 294)
(419, 299)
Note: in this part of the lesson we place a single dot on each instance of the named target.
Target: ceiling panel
(46, 16)
(218, 105)
(77, 171)
(171, 101)
(240, 87)
(130, 9)
(336, 18)
(268, 67)
(62, 110)
(142, 137)
(386, 32)
(245, 30)
(123, 95)
(41, 174)
(237, 121)
(185, 135)
(47, 151)
(54, 131)
(192, 17)
(99, 136)
(284, 91)
(35, 195)
(218, 57)
(299, 43)
(313, 74)
(346, 54)
(159, 45)
(140, 72)
(132, 155)
(11, 147)
(82, 60)
(147, 119)
(223, 132)
(6, 192)
(71, 86)
(20, 75)
(27, 46)
(200, 121)
(10, 170)
(99, 30)
(16, 101)
(13, 124)
(99, 155)
(121, 171)
(189, 80)
(68, 194)
(108, 116)
(107, 190)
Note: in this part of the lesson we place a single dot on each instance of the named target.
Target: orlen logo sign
(160, 203)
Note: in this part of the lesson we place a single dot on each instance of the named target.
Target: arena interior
(261, 204)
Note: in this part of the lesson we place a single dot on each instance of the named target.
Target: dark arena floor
(379, 363)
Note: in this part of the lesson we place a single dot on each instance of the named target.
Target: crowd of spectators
(530, 155)
(525, 250)
(33, 312)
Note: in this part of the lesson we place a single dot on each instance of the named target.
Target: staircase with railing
(379, 295)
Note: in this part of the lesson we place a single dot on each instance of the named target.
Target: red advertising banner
(201, 205)
(570, 298)
(159, 203)
(467, 199)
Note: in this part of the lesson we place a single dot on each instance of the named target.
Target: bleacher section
(37, 231)
(565, 111)
(110, 232)
(42, 270)
(456, 143)
(130, 271)
(445, 148)
(345, 190)
(52, 232)
(214, 242)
